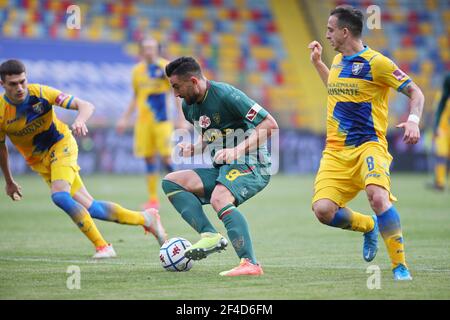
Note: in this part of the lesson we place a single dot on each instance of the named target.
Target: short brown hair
(10, 67)
(350, 18)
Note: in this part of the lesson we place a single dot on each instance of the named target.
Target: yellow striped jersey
(357, 107)
(151, 87)
(32, 126)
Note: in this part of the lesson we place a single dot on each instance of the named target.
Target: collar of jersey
(356, 54)
(20, 104)
(208, 85)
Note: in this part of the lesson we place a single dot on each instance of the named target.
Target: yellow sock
(348, 219)
(125, 216)
(110, 211)
(440, 174)
(391, 231)
(152, 186)
(361, 222)
(396, 250)
(84, 221)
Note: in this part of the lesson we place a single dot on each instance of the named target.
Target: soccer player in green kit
(241, 163)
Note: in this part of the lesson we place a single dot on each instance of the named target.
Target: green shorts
(243, 181)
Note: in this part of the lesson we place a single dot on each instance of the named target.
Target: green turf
(302, 259)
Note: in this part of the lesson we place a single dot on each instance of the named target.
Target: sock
(391, 231)
(152, 181)
(80, 216)
(110, 211)
(237, 230)
(189, 206)
(346, 218)
(440, 172)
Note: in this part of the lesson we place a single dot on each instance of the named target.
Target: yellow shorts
(60, 163)
(342, 174)
(151, 138)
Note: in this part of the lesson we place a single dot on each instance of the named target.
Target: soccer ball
(171, 255)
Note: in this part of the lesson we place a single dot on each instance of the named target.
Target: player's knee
(378, 199)
(97, 211)
(379, 202)
(217, 202)
(169, 186)
(324, 211)
(61, 199)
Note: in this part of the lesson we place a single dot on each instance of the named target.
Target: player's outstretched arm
(416, 101)
(85, 111)
(13, 190)
(316, 59)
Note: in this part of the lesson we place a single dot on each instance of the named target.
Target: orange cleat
(154, 203)
(245, 268)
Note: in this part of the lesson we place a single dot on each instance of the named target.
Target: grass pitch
(302, 259)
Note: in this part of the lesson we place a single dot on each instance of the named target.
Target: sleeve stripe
(403, 85)
(68, 103)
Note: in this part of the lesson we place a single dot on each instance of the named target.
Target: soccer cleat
(104, 252)
(245, 268)
(370, 246)
(154, 226)
(401, 273)
(154, 203)
(209, 243)
(434, 186)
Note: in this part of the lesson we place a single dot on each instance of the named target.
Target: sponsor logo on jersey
(204, 122)
(251, 114)
(61, 98)
(399, 74)
(357, 67)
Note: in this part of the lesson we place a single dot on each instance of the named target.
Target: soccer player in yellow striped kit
(49, 148)
(356, 155)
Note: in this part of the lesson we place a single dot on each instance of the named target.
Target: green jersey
(226, 117)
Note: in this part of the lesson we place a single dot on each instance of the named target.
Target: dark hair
(184, 66)
(10, 67)
(350, 18)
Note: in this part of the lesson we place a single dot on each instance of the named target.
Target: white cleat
(104, 252)
(154, 226)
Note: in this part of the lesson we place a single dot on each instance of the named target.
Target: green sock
(189, 206)
(237, 230)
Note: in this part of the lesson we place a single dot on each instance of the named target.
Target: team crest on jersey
(38, 107)
(216, 118)
(204, 122)
(357, 67)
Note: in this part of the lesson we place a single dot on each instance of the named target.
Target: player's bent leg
(80, 216)
(110, 211)
(390, 229)
(238, 232)
(345, 218)
(182, 189)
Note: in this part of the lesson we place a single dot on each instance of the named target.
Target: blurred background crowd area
(260, 46)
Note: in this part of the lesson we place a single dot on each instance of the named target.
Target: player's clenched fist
(186, 149)
(316, 51)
